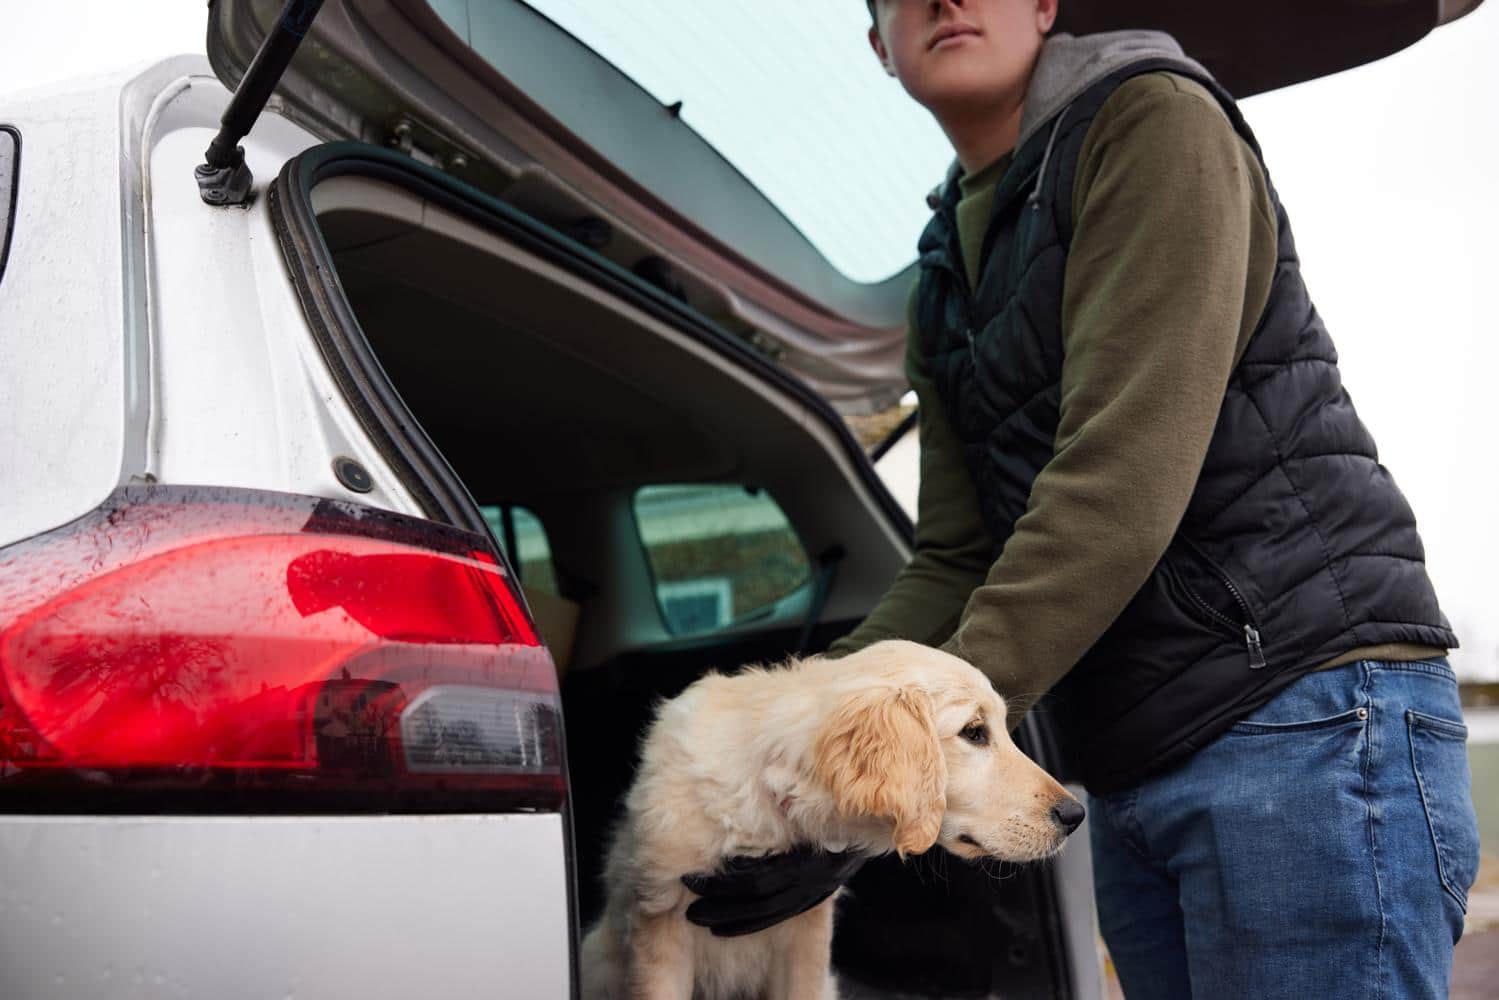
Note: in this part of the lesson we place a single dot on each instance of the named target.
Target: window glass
(525, 544)
(787, 91)
(718, 553)
(10, 157)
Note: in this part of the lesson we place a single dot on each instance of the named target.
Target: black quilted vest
(1296, 544)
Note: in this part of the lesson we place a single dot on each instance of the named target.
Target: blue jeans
(1322, 847)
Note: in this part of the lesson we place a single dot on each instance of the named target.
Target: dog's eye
(976, 733)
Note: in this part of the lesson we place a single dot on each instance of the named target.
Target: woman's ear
(879, 756)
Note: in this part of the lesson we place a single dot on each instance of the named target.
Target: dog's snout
(1068, 813)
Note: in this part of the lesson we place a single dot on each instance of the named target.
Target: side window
(718, 553)
(525, 543)
(10, 162)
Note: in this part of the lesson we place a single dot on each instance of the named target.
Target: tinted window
(785, 90)
(718, 553)
(10, 162)
(525, 543)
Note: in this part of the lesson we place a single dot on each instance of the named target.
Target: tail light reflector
(284, 651)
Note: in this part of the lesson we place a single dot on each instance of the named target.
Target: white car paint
(163, 340)
(121, 907)
(62, 417)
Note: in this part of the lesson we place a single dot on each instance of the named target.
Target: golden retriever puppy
(895, 748)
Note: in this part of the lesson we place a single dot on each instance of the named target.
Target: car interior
(670, 511)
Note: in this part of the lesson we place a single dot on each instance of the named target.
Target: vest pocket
(1439, 755)
(1213, 598)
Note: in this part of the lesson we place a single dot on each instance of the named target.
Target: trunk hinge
(223, 178)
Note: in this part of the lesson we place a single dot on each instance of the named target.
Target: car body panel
(163, 338)
(228, 907)
(164, 341)
(63, 416)
(222, 304)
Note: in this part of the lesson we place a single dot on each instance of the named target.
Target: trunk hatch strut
(223, 178)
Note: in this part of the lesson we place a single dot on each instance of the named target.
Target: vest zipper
(1210, 611)
(1228, 584)
(1248, 628)
(1256, 651)
(1251, 634)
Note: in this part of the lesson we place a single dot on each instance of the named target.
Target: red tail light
(284, 651)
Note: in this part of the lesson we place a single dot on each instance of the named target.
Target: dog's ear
(879, 755)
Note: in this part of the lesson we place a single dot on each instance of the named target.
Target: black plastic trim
(221, 797)
(10, 197)
(358, 373)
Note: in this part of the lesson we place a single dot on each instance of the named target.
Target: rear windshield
(791, 95)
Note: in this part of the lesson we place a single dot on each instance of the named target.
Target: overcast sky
(1390, 174)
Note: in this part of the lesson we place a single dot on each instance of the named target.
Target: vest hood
(1070, 64)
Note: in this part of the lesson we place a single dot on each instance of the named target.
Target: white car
(483, 398)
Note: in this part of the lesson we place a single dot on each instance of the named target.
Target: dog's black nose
(1068, 813)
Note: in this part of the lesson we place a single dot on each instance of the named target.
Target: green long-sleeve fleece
(1173, 253)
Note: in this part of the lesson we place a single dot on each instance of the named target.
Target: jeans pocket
(1439, 754)
(1321, 700)
(1352, 717)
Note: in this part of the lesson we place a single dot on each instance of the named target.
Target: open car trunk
(502, 96)
(502, 365)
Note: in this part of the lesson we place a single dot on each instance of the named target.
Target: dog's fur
(865, 752)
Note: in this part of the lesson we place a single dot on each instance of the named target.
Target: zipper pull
(973, 354)
(1256, 651)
